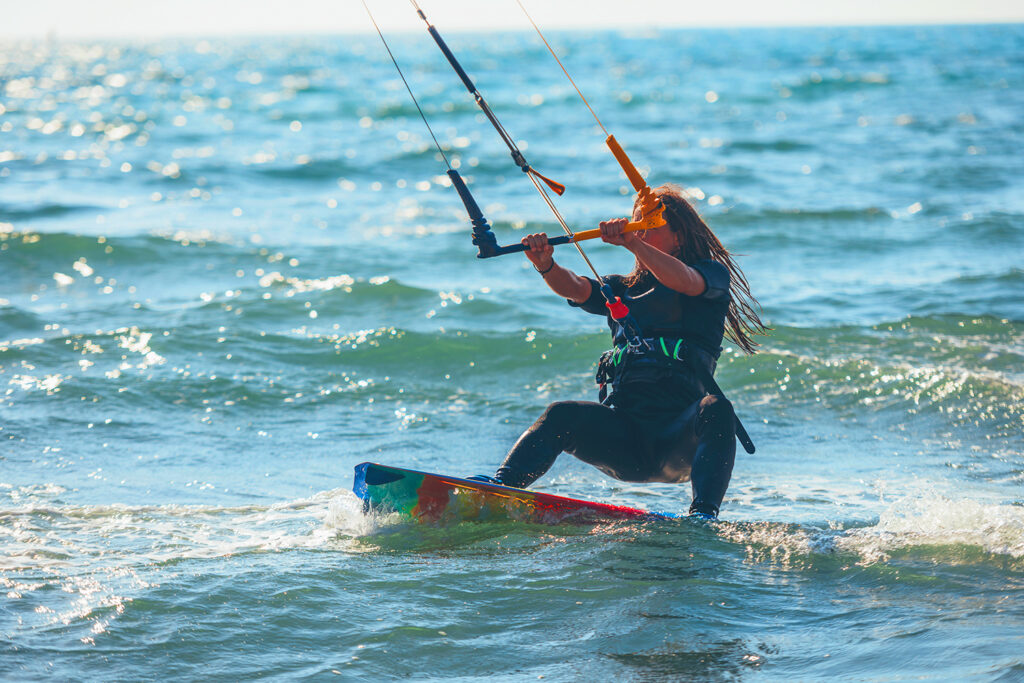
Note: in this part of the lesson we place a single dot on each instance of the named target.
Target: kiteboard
(430, 497)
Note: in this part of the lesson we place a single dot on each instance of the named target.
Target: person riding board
(661, 422)
(665, 419)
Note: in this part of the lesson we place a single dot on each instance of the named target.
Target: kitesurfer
(659, 420)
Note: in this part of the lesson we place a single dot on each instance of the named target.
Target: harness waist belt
(674, 349)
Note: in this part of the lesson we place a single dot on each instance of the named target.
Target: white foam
(945, 525)
(98, 556)
(936, 520)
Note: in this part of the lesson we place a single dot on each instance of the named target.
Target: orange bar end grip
(620, 155)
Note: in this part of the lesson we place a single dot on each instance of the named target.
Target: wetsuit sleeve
(716, 279)
(594, 303)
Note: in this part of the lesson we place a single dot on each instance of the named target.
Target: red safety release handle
(617, 308)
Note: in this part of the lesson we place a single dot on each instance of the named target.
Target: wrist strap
(546, 270)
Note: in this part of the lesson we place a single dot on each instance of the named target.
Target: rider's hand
(540, 252)
(612, 232)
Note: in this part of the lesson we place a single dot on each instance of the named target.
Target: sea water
(230, 270)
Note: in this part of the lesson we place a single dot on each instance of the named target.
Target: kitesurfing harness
(672, 355)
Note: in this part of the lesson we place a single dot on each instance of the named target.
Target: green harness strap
(620, 351)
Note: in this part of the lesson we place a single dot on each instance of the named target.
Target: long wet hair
(698, 243)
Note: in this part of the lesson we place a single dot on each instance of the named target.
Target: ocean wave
(779, 145)
(999, 227)
(930, 529)
(171, 532)
(423, 151)
(822, 86)
(205, 368)
(63, 247)
(984, 348)
(87, 563)
(25, 213)
(842, 215)
(988, 294)
(81, 256)
(450, 103)
(314, 169)
(933, 382)
(14, 320)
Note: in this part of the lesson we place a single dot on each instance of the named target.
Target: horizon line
(55, 35)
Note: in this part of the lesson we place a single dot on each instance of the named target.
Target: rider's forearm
(668, 270)
(566, 283)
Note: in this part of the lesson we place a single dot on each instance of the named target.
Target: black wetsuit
(658, 424)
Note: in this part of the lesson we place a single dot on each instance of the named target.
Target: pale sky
(152, 18)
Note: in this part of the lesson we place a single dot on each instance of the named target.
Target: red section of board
(433, 498)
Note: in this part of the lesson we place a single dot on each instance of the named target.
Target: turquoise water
(231, 271)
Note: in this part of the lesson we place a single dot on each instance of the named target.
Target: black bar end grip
(482, 235)
(495, 250)
(481, 230)
(451, 59)
(475, 214)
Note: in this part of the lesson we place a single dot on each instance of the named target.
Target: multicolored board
(435, 497)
